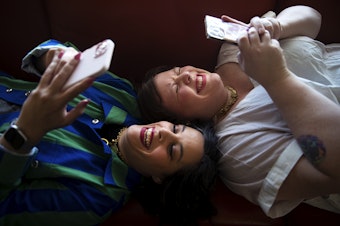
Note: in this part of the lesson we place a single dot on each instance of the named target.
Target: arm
(299, 21)
(287, 24)
(44, 110)
(312, 118)
(292, 21)
(37, 60)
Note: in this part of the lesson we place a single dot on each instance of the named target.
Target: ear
(157, 180)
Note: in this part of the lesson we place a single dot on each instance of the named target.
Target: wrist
(279, 85)
(16, 140)
(282, 30)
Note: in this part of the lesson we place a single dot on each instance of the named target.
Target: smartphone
(226, 31)
(94, 61)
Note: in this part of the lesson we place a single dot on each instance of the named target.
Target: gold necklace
(227, 105)
(115, 143)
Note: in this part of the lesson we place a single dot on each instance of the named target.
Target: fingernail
(90, 81)
(60, 55)
(77, 57)
(86, 101)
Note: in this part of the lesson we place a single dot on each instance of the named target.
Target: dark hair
(149, 100)
(184, 198)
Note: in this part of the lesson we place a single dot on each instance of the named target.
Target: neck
(115, 142)
(231, 100)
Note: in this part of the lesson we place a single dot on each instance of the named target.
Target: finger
(230, 19)
(68, 55)
(276, 28)
(269, 14)
(64, 72)
(243, 40)
(253, 35)
(76, 111)
(275, 43)
(266, 38)
(268, 25)
(257, 24)
(49, 72)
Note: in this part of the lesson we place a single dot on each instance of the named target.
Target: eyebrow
(175, 70)
(181, 148)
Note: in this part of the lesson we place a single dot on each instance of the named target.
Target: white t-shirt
(258, 148)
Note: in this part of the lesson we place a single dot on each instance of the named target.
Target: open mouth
(146, 135)
(200, 82)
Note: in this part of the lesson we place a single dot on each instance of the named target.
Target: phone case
(218, 29)
(94, 61)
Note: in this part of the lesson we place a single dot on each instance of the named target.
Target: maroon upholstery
(148, 33)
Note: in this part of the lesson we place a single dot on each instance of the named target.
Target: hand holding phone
(219, 29)
(94, 61)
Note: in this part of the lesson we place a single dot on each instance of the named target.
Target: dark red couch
(149, 33)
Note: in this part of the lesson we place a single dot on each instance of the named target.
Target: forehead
(163, 82)
(193, 145)
(164, 77)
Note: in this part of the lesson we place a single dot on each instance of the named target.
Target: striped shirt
(71, 177)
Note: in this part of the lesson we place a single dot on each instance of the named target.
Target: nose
(166, 134)
(184, 77)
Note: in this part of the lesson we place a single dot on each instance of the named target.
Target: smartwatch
(16, 138)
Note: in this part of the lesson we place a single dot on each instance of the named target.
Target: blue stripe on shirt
(72, 158)
(30, 200)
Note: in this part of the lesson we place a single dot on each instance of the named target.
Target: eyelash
(171, 147)
(178, 73)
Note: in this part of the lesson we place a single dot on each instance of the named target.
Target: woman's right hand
(45, 108)
(43, 62)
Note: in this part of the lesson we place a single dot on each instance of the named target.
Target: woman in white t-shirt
(264, 130)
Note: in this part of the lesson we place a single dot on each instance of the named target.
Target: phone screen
(218, 29)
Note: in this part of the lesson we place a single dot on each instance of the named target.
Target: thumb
(76, 112)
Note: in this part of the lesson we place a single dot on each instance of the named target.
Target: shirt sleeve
(29, 61)
(275, 179)
(69, 200)
(13, 166)
(228, 54)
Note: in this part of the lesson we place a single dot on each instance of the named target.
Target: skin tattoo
(313, 148)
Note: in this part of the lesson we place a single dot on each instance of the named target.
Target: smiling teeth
(199, 83)
(147, 137)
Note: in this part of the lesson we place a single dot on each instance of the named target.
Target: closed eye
(171, 146)
(176, 87)
(177, 71)
(170, 151)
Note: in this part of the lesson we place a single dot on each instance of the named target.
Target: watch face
(14, 138)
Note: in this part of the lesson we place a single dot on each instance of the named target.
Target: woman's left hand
(261, 57)
(271, 24)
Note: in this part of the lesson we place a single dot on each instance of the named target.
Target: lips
(200, 82)
(146, 135)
